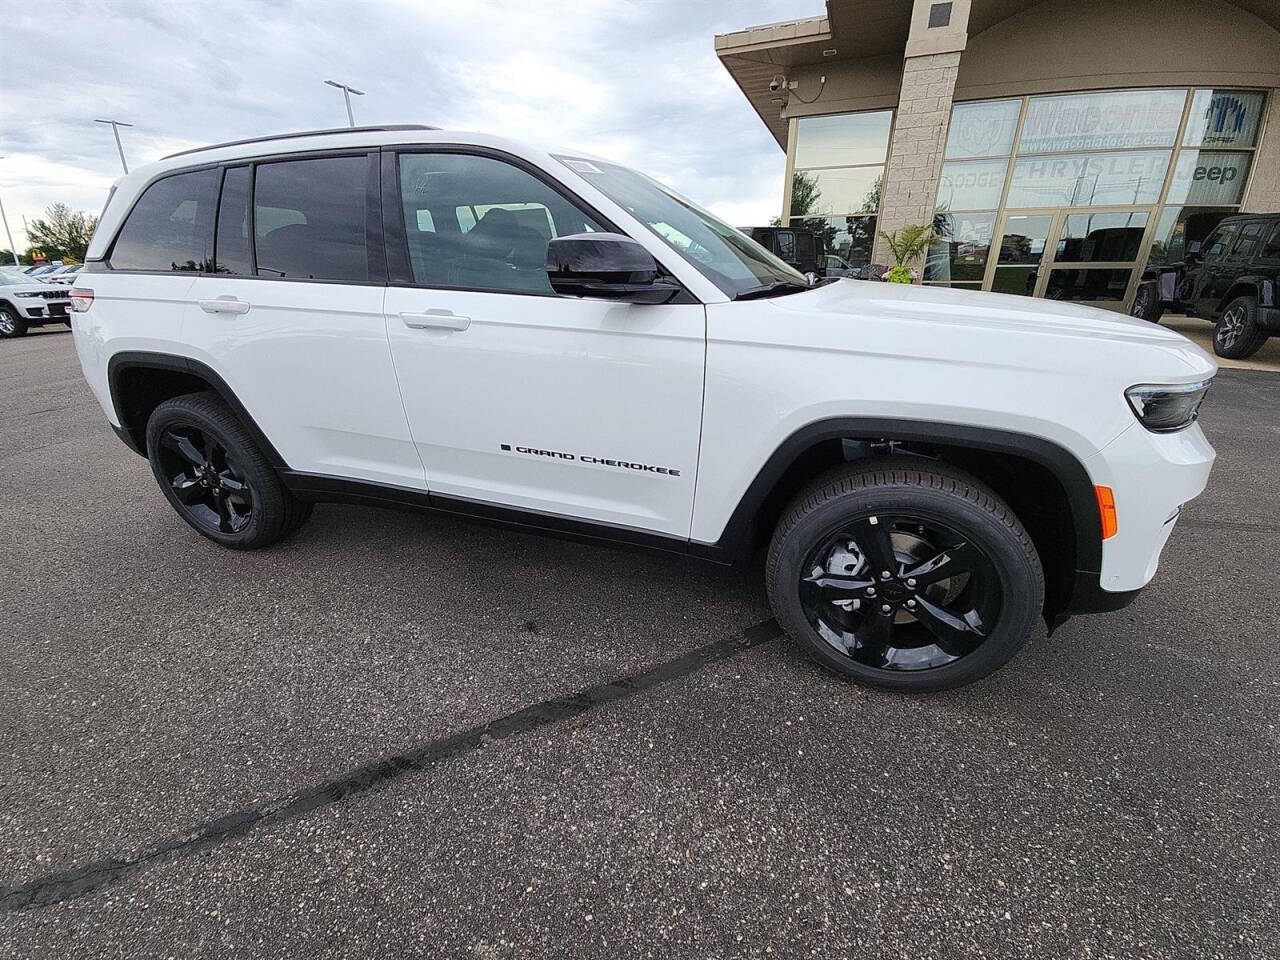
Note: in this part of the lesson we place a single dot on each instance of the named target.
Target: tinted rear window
(171, 226)
(309, 219)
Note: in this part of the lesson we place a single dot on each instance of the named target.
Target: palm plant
(907, 245)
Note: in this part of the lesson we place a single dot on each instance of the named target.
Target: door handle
(436, 320)
(224, 304)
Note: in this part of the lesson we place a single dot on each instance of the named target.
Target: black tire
(1147, 304)
(919, 507)
(11, 325)
(215, 477)
(1238, 335)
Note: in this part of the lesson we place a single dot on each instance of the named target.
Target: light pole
(346, 93)
(12, 249)
(115, 128)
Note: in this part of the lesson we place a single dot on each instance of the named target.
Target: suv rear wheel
(1238, 335)
(215, 476)
(1146, 303)
(11, 325)
(904, 574)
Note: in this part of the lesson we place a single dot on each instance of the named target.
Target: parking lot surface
(400, 735)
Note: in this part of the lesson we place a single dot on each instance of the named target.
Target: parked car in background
(25, 303)
(65, 274)
(1229, 278)
(801, 249)
(835, 266)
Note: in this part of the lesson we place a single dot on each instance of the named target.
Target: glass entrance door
(1094, 257)
(1083, 256)
(1020, 253)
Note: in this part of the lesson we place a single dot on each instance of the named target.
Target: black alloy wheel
(216, 477)
(1146, 303)
(904, 572)
(901, 592)
(205, 479)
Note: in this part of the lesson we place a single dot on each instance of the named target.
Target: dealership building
(1056, 147)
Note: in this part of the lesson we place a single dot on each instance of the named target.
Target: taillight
(81, 299)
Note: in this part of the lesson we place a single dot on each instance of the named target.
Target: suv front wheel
(904, 573)
(11, 325)
(216, 478)
(1238, 335)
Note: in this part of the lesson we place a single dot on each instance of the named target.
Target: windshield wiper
(769, 289)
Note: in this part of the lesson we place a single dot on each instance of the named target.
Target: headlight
(1164, 407)
(32, 294)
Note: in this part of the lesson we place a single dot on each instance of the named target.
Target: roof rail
(386, 128)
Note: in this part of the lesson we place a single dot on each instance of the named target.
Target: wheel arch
(140, 381)
(1045, 484)
(1245, 287)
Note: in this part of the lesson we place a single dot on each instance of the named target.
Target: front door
(1215, 261)
(519, 397)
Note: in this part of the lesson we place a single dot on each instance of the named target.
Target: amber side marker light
(1107, 511)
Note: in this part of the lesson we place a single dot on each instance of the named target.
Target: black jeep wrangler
(1231, 277)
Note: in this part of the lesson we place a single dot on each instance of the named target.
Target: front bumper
(42, 310)
(1152, 475)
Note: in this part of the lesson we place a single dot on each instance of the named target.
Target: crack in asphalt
(92, 877)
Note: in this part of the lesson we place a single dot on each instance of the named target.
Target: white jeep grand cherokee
(414, 317)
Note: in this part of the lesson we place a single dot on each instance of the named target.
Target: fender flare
(136, 359)
(1064, 465)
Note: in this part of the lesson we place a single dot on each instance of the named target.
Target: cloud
(633, 80)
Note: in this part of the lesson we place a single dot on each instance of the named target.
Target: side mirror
(606, 265)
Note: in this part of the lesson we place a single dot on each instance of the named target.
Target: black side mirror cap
(608, 266)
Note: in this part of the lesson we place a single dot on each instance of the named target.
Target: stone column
(1264, 185)
(931, 62)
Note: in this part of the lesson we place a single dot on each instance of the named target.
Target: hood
(956, 311)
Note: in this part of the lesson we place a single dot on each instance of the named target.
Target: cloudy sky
(633, 80)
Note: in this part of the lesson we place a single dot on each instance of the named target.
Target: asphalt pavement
(403, 735)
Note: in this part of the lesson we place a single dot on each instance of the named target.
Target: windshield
(733, 262)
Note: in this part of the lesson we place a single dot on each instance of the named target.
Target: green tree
(63, 233)
(804, 193)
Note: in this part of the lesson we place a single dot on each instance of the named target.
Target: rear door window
(1272, 249)
(310, 219)
(1250, 239)
(171, 226)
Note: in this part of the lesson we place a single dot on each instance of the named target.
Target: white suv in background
(455, 322)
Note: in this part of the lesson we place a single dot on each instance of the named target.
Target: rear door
(516, 396)
(291, 317)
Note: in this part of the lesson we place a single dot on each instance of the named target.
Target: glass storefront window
(1019, 280)
(1224, 118)
(836, 192)
(1089, 180)
(1180, 226)
(1100, 237)
(1092, 286)
(1102, 121)
(849, 238)
(960, 247)
(843, 139)
(1210, 177)
(971, 185)
(983, 129)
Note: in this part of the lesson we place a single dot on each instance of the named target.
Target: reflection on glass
(1024, 239)
(833, 192)
(1225, 118)
(983, 129)
(1091, 286)
(1100, 237)
(843, 139)
(1019, 280)
(1180, 226)
(1102, 121)
(971, 185)
(849, 238)
(1208, 177)
(1089, 180)
(960, 246)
